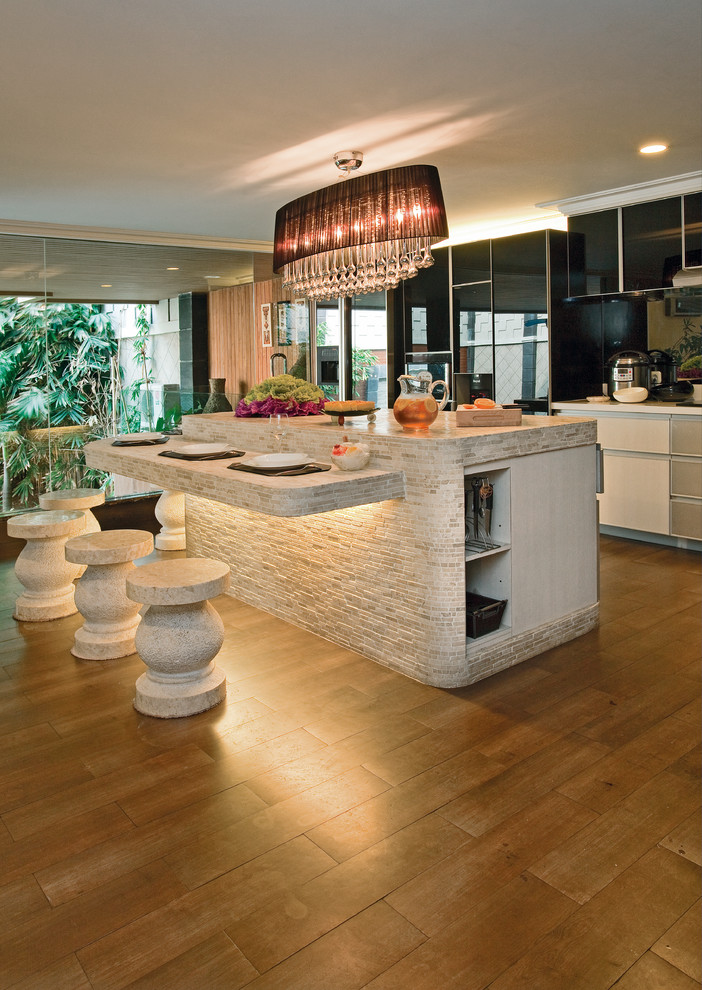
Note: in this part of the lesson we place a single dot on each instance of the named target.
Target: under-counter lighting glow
(653, 149)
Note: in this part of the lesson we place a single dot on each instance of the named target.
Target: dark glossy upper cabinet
(653, 240)
(594, 254)
(692, 215)
(652, 243)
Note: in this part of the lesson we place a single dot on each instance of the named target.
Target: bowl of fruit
(350, 456)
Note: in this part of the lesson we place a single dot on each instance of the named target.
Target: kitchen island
(377, 560)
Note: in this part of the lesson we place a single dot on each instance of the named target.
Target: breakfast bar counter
(377, 560)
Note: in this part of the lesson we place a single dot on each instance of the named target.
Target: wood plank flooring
(336, 826)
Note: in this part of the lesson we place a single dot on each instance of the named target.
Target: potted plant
(687, 350)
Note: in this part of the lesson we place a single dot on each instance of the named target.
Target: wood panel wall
(237, 351)
(231, 338)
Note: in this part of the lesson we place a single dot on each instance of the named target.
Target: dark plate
(359, 412)
(223, 455)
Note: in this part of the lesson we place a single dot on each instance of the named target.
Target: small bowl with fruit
(350, 456)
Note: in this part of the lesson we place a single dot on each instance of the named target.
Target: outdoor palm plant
(56, 370)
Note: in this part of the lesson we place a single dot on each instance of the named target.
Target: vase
(217, 401)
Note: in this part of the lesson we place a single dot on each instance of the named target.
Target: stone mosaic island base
(377, 560)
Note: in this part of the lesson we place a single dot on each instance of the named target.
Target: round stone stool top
(113, 546)
(45, 525)
(178, 582)
(72, 498)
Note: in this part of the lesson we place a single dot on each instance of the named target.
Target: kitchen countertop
(651, 408)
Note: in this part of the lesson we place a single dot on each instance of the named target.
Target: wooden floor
(334, 825)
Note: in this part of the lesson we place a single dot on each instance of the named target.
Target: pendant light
(360, 235)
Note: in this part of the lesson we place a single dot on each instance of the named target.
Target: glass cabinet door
(595, 244)
(652, 243)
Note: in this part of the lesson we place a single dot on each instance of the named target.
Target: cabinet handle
(599, 469)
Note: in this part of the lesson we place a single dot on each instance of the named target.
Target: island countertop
(395, 455)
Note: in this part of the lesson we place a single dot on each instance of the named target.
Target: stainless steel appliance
(628, 369)
(468, 387)
(437, 363)
(663, 370)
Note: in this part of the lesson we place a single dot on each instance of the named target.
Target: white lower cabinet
(636, 492)
(652, 469)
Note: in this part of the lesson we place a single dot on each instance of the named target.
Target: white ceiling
(204, 116)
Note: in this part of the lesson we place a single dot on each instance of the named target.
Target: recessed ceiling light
(173, 269)
(653, 149)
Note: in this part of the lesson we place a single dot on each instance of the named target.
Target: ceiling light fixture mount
(348, 161)
(362, 235)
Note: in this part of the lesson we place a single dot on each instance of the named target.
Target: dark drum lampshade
(362, 234)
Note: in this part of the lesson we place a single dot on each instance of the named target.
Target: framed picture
(267, 329)
(285, 322)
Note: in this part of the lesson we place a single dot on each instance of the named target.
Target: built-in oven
(437, 363)
(468, 387)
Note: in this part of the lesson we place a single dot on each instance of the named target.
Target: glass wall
(369, 343)
(90, 346)
(329, 375)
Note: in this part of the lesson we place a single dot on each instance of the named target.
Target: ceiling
(202, 118)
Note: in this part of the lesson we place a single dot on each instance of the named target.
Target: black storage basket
(483, 615)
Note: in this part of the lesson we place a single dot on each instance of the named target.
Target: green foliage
(132, 394)
(361, 361)
(689, 345)
(55, 371)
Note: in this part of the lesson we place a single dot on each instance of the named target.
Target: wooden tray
(488, 417)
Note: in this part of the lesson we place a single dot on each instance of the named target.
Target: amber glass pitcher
(415, 407)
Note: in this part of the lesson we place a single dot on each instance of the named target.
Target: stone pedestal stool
(111, 619)
(41, 567)
(170, 512)
(76, 498)
(179, 636)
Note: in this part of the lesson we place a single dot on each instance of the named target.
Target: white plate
(202, 448)
(279, 460)
(139, 436)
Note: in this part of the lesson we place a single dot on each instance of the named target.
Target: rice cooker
(663, 370)
(628, 369)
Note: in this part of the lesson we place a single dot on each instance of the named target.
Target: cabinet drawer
(686, 478)
(686, 519)
(639, 433)
(686, 436)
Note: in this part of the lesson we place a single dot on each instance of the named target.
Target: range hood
(688, 278)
